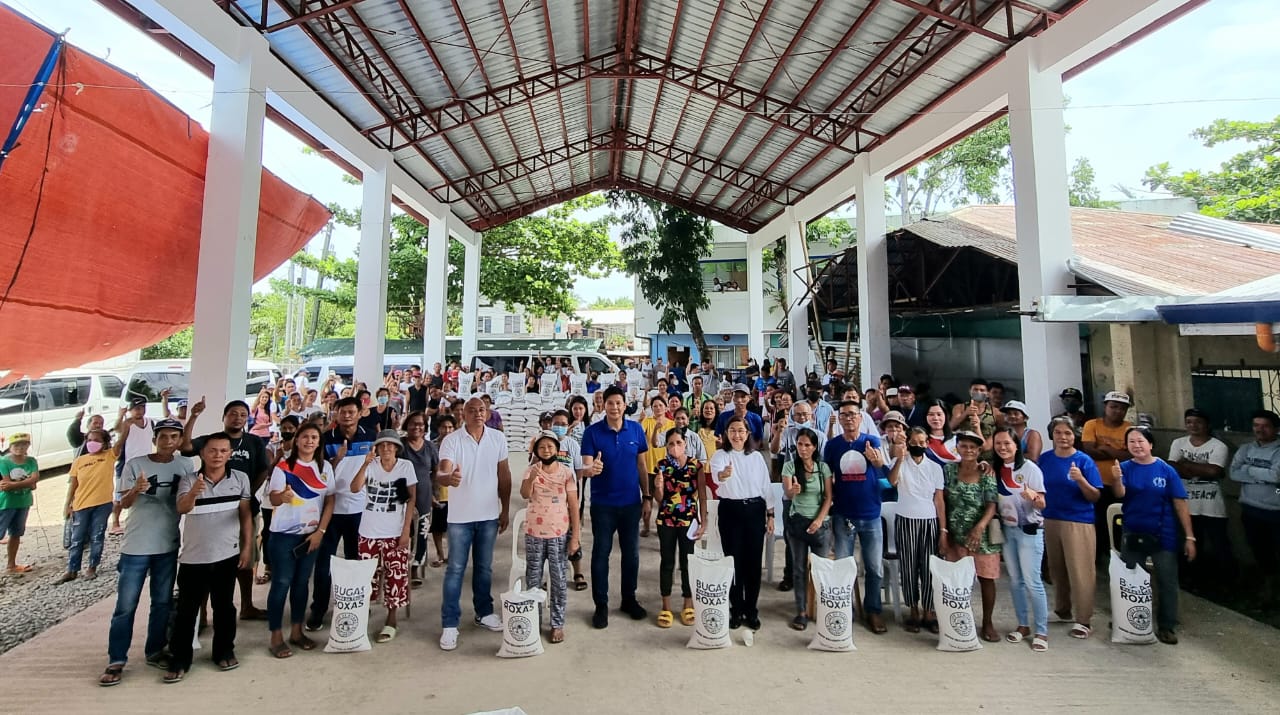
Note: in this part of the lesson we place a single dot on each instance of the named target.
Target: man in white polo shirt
(473, 464)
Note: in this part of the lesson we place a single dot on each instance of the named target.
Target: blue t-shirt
(619, 483)
(856, 485)
(1149, 491)
(754, 423)
(1062, 497)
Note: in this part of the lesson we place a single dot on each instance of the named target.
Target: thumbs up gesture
(1116, 471)
(597, 467)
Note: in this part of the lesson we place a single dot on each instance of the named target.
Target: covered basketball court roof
(760, 114)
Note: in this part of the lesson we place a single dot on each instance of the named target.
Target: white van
(46, 407)
(149, 377)
(319, 369)
(501, 361)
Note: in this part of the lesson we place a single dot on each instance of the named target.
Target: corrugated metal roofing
(1126, 253)
(735, 108)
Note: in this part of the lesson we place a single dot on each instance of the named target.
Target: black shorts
(440, 518)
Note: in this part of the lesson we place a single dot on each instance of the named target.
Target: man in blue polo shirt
(857, 466)
(612, 457)
(741, 396)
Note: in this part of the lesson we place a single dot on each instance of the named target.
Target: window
(484, 325)
(112, 386)
(724, 276)
(17, 398)
(148, 385)
(513, 324)
(589, 365)
(258, 379)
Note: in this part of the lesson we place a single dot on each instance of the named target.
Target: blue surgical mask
(382, 400)
(559, 430)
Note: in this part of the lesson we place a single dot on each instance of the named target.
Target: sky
(1129, 112)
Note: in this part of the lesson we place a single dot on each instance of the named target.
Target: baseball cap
(739, 387)
(388, 435)
(1196, 412)
(20, 437)
(1117, 396)
(1015, 405)
(546, 434)
(1071, 392)
(168, 424)
(971, 436)
(137, 402)
(546, 416)
(905, 388)
(891, 392)
(894, 416)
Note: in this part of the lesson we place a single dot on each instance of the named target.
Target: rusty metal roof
(733, 109)
(1127, 253)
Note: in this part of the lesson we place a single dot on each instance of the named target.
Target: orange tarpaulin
(111, 263)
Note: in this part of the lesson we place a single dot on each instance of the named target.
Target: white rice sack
(833, 591)
(578, 384)
(1131, 617)
(635, 377)
(711, 581)
(953, 599)
(465, 381)
(606, 379)
(549, 384)
(521, 635)
(494, 386)
(533, 398)
(503, 399)
(352, 584)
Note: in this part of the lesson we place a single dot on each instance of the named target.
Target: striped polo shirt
(211, 530)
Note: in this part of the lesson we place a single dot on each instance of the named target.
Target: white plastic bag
(521, 634)
(1131, 602)
(711, 580)
(352, 585)
(953, 599)
(833, 593)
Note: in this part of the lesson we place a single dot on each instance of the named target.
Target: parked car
(150, 377)
(46, 407)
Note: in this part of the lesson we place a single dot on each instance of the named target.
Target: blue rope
(33, 96)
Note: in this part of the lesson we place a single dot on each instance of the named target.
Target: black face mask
(287, 436)
(917, 450)
(547, 461)
(813, 395)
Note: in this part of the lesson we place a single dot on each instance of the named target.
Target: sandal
(557, 635)
(665, 619)
(385, 635)
(111, 676)
(579, 582)
(644, 532)
(989, 635)
(687, 616)
(173, 676)
(1015, 637)
(262, 580)
(799, 623)
(281, 651)
(437, 563)
(21, 569)
(1040, 644)
(1080, 631)
(303, 642)
(911, 625)
(228, 664)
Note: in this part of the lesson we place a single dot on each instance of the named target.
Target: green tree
(175, 346)
(1083, 187)
(825, 232)
(1245, 187)
(971, 170)
(602, 303)
(662, 247)
(532, 262)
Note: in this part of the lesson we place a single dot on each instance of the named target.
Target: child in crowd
(676, 492)
(19, 475)
(552, 492)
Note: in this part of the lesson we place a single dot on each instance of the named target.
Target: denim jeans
(800, 544)
(871, 535)
(289, 577)
(341, 526)
(473, 537)
(133, 571)
(605, 520)
(88, 526)
(1022, 555)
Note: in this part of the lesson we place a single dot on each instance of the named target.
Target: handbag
(995, 532)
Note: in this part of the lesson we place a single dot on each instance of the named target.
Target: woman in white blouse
(919, 481)
(741, 476)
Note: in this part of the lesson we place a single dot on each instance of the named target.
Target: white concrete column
(1050, 351)
(755, 301)
(873, 275)
(371, 280)
(436, 303)
(471, 298)
(229, 225)
(797, 317)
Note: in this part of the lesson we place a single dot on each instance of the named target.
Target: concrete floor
(1225, 663)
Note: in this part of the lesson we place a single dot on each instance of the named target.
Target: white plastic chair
(892, 581)
(708, 547)
(517, 561)
(779, 522)
(1114, 518)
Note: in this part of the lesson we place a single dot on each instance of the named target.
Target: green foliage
(1083, 187)
(177, 345)
(602, 303)
(970, 171)
(661, 247)
(1246, 187)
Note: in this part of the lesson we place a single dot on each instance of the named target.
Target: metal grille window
(1230, 395)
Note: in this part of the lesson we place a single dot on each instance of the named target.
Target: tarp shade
(111, 265)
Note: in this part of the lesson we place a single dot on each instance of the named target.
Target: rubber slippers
(665, 619)
(303, 642)
(687, 616)
(580, 583)
(386, 635)
(281, 651)
(111, 676)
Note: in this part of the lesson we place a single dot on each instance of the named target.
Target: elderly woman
(1155, 506)
(970, 496)
(390, 485)
(1021, 497)
(1072, 485)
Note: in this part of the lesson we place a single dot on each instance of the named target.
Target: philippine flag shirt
(310, 483)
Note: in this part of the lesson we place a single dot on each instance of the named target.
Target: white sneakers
(449, 639)
(491, 622)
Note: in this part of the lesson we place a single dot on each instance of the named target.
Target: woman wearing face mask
(942, 445)
(1020, 486)
(1155, 506)
(806, 483)
(1072, 485)
(921, 509)
(1030, 443)
(971, 496)
(387, 418)
(552, 527)
(288, 428)
(89, 501)
(676, 492)
(746, 512)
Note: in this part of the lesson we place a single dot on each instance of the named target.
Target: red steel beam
(628, 33)
(586, 54)
(662, 87)
(959, 22)
(555, 64)
(311, 15)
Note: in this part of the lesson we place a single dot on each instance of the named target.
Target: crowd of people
(282, 483)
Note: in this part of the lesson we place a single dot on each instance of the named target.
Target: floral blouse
(965, 504)
(679, 506)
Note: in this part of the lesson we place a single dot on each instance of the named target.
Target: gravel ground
(32, 602)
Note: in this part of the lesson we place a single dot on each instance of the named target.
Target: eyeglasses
(849, 414)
